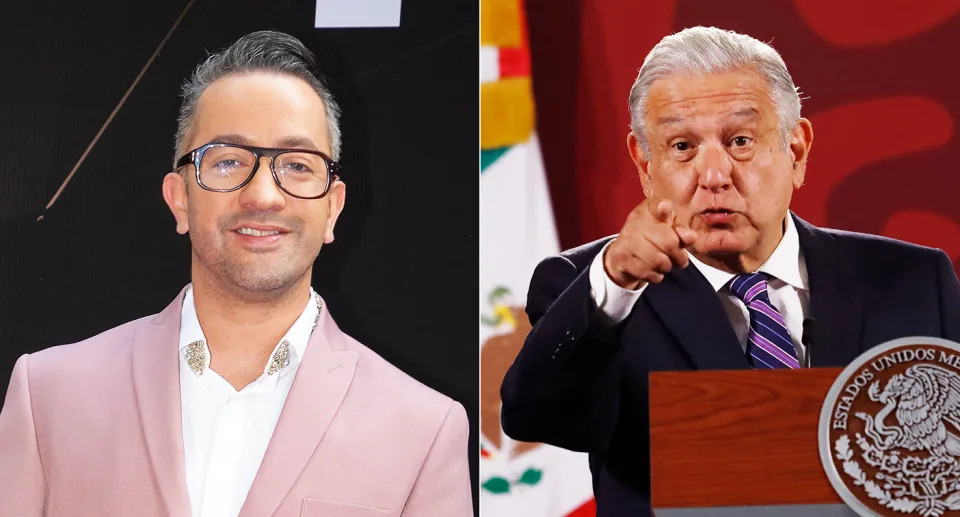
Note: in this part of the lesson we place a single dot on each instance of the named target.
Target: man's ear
(336, 197)
(175, 195)
(641, 160)
(801, 140)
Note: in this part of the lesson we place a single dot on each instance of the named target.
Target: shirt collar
(785, 263)
(193, 344)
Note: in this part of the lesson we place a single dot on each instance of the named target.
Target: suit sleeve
(563, 387)
(442, 488)
(949, 288)
(22, 483)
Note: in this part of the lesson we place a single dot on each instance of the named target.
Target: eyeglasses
(228, 167)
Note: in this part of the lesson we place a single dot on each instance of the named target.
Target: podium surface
(740, 443)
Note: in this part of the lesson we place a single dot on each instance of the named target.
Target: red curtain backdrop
(880, 83)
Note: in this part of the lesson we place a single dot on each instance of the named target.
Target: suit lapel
(321, 383)
(836, 298)
(692, 312)
(156, 383)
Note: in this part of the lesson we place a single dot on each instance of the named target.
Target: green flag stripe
(488, 156)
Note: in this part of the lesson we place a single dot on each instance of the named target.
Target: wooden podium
(739, 443)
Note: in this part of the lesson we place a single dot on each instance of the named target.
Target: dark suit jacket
(575, 388)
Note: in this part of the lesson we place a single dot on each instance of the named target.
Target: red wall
(881, 86)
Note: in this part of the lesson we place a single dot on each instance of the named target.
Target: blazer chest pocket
(320, 508)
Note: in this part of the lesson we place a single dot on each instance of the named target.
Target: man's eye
(296, 167)
(740, 141)
(682, 146)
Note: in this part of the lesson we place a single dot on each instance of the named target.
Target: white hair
(709, 50)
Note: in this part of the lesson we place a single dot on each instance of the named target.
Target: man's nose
(714, 168)
(262, 193)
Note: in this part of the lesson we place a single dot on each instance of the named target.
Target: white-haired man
(711, 270)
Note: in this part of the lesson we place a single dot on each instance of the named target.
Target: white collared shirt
(225, 431)
(788, 289)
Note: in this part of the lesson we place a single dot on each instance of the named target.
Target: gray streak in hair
(709, 50)
(263, 51)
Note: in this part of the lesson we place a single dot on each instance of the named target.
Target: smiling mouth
(253, 232)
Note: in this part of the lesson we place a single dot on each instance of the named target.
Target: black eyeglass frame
(195, 157)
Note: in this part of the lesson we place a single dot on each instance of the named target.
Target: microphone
(809, 336)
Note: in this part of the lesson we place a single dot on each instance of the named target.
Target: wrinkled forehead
(735, 97)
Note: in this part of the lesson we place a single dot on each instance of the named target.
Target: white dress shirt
(225, 431)
(788, 289)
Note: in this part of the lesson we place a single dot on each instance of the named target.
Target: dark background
(401, 276)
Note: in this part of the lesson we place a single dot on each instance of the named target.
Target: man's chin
(260, 276)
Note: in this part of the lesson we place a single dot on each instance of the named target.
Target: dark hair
(268, 51)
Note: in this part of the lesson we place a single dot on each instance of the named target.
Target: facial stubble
(251, 271)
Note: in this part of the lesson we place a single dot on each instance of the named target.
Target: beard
(250, 271)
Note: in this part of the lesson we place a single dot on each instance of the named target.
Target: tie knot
(749, 286)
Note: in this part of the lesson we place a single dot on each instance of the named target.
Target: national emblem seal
(890, 430)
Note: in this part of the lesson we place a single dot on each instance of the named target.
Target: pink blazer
(93, 428)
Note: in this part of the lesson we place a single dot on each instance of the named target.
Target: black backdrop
(401, 276)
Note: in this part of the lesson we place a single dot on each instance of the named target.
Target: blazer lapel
(692, 312)
(321, 383)
(156, 383)
(836, 298)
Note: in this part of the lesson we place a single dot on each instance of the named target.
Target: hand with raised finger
(649, 246)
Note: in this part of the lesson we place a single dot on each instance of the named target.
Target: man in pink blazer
(242, 397)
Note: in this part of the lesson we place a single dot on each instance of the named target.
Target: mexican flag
(516, 232)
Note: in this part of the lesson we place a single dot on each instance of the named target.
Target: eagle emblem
(891, 426)
(927, 402)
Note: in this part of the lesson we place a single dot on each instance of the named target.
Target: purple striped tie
(768, 342)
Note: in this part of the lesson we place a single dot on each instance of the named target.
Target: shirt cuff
(613, 302)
